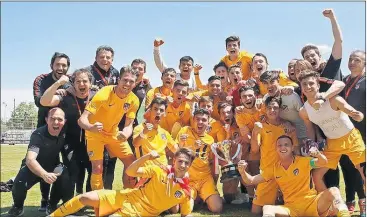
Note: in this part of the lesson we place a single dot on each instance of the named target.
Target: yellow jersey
(246, 119)
(157, 140)
(181, 114)
(293, 182)
(214, 128)
(268, 138)
(107, 108)
(216, 101)
(244, 59)
(200, 167)
(158, 194)
(151, 95)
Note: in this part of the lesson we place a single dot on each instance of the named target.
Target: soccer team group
(292, 131)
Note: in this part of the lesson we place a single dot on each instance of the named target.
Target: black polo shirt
(102, 78)
(47, 146)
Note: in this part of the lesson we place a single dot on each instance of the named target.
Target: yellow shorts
(204, 188)
(115, 202)
(116, 148)
(307, 206)
(351, 144)
(266, 193)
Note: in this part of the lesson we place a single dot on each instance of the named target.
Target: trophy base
(229, 172)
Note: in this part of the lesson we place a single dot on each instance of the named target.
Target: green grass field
(11, 157)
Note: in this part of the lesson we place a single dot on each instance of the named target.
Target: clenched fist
(158, 42)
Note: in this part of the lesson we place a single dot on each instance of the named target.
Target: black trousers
(352, 178)
(25, 179)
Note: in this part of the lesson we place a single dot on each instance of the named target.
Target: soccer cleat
(43, 206)
(50, 209)
(16, 211)
(351, 206)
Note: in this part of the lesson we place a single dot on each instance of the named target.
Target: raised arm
(49, 98)
(135, 169)
(338, 103)
(337, 46)
(157, 55)
(256, 138)
(247, 178)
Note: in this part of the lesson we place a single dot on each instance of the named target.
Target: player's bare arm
(339, 103)
(319, 160)
(256, 138)
(135, 169)
(49, 98)
(337, 46)
(157, 56)
(84, 123)
(247, 178)
(311, 134)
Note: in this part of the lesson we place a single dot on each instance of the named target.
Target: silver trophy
(229, 171)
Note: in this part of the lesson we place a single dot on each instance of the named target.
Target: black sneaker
(43, 206)
(50, 209)
(15, 211)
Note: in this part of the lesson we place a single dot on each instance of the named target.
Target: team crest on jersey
(93, 105)
(295, 172)
(163, 136)
(357, 86)
(178, 194)
(114, 79)
(90, 153)
(239, 63)
(180, 113)
(208, 129)
(126, 106)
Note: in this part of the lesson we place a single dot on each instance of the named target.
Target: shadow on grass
(32, 211)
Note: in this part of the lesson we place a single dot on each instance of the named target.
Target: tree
(23, 117)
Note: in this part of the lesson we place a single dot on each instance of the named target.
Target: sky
(32, 31)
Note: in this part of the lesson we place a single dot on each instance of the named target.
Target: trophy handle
(238, 151)
(214, 150)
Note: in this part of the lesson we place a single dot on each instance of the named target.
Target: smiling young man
(237, 57)
(100, 120)
(264, 137)
(332, 117)
(292, 174)
(167, 187)
(311, 53)
(186, 66)
(41, 162)
(195, 138)
(168, 79)
(59, 65)
(73, 104)
(150, 136)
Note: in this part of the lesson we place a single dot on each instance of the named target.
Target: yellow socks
(96, 181)
(70, 207)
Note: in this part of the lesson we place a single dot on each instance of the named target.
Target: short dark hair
(166, 70)
(128, 69)
(246, 88)
(233, 38)
(80, 71)
(205, 99)
(285, 137)
(220, 64)
(269, 76)
(181, 83)
(59, 55)
(271, 99)
(222, 105)
(185, 151)
(310, 47)
(139, 61)
(308, 73)
(260, 55)
(234, 66)
(213, 77)
(186, 59)
(158, 101)
(201, 111)
(106, 48)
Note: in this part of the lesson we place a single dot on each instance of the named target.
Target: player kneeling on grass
(167, 187)
(292, 174)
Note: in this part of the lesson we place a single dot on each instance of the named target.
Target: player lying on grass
(292, 175)
(167, 187)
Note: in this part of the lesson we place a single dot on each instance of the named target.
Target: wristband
(196, 73)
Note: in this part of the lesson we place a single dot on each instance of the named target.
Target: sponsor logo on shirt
(180, 113)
